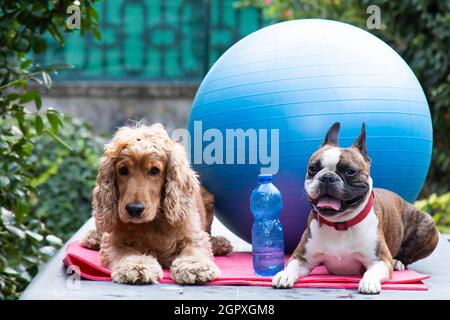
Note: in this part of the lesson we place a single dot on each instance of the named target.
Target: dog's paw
(221, 246)
(284, 279)
(398, 265)
(187, 271)
(368, 285)
(137, 269)
(92, 239)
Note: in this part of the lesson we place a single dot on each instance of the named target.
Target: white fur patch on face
(330, 159)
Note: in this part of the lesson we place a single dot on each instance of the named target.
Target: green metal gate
(155, 40)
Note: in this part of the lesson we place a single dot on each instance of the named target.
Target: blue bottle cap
(264, 177)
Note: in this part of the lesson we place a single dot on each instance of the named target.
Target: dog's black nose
(134, 209)
(329, 178)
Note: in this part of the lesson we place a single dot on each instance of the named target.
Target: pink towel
(237, 269)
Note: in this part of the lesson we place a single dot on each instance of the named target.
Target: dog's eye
(312, 170)
(153, 171)
(123, 171)
(350, 172)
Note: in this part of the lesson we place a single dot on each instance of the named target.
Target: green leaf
(47, 80)
(38, 102)
(20, 117)
(93, 12)
(11, 58)
(25, 276)
(4, 182)
(53, 240)
(57, 139)
(43, 178)
(39, 45)
(10, 271)
(31, 259)
(29, 96)
(97, 34)
(54, 119)
(56, 34)
(16, 231)
(13, 96)
(38, 124)
(48, 250)
(57, 66)
(34, 235)
(7, 217)
(21, 209)
(21, 44)
(27, 63)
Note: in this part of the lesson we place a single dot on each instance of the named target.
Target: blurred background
(65, 90)
(149, 62)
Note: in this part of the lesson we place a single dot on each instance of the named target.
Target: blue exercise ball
(300, 77)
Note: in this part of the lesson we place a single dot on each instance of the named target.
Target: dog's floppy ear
(180, 186)
(360, 142)
(332, 135)
(105, 195)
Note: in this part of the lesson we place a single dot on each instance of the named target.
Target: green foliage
(439, 208)
(64, 179)
(24, 240)
(24, 244)
(419, 31)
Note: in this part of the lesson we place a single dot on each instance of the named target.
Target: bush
(64, 179)
(439, 208)
(25, 242)
(51, 193)
(53, 197)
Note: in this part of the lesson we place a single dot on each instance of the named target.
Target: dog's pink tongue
(327, 202)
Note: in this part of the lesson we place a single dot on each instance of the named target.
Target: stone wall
(110, 105)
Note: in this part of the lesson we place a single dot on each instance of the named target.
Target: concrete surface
(53, 282)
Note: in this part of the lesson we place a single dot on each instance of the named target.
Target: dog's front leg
(136, 268)
(298, 265)
(295, 269)
(195, 262)
(129, 265)
(92, 239)
(377, 272)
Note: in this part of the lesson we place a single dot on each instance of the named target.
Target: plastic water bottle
(267, 234)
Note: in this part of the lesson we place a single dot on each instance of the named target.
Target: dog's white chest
(345, 264)
(343, 252)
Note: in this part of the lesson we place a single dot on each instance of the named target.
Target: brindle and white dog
(353, 228)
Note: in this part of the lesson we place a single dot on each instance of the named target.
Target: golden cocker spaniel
(151, 212)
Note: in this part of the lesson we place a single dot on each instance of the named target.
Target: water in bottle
(267, 234)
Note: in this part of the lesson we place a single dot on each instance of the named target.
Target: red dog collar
(342, 226)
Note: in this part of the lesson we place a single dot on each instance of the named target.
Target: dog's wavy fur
(174, 229)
